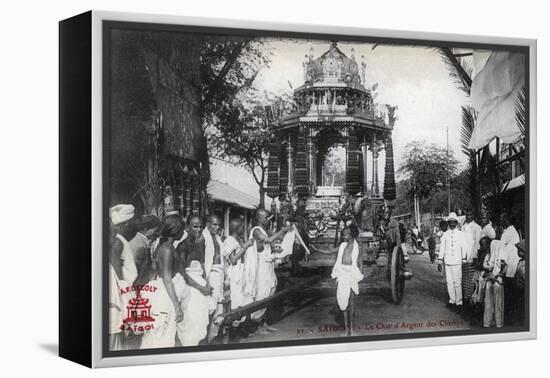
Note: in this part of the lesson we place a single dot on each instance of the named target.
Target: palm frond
(469, 116)
(467, 65)
(521, 110)
(456, 71)
(471, 177)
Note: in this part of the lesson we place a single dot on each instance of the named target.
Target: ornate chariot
(334, 107)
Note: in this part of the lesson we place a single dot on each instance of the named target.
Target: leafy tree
(426, 167)
(244, 138)
(168, 88)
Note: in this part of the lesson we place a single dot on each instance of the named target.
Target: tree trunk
(262, 196)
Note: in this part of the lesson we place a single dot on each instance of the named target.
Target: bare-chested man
(266, 279)
(168, 284)
(196, 302)
(348, 272)
(214, 268)
(147, 231)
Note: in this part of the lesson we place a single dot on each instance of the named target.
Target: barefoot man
(168, 286)
(214, 268)
(266, 280)
(195, 303)
(234, 249)
(347, 272)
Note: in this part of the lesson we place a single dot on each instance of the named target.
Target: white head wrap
(121, 213)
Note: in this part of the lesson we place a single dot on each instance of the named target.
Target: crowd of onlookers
(172, 280)
(483, 265)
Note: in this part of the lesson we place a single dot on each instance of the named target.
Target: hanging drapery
(498, 79)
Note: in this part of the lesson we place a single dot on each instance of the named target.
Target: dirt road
(421, 310)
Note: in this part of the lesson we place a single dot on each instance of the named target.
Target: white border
(97, 120)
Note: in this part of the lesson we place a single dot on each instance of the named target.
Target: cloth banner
(498, 79)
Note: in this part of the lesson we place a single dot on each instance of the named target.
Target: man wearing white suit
(453, 251)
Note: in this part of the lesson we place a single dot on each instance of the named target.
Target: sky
(413, 78)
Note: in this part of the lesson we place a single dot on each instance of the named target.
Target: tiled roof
(219, 191)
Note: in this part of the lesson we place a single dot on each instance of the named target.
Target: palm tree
(471, 172)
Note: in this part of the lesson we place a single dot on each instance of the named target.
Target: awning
(516, 182)
(219, 191)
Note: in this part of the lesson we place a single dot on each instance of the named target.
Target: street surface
(421, 310)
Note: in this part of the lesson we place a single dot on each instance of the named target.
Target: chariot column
(364, 150)
(290, 153)
(301, 172)
(312, 162)
(353, 180)
(375, 149)
(273, 167)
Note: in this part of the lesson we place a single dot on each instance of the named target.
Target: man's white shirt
(472, 232)
(488, 231)
(509, 239)
(454, 247)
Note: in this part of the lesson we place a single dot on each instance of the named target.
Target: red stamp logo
(138, 312)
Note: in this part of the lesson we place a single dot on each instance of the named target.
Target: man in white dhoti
(122, 270)
(195, 305)
(453, 253)
(215, 270)
(493, 313)
(347, 272)
(196, 301)
(167, 287)
(122, 218)
(266, 279)
(234, 249)
(116, 312)
(509, 238)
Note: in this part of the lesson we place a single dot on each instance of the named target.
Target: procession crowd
(168, 278)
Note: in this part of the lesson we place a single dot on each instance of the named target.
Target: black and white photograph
(268, 187)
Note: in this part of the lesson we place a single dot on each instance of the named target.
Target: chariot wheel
(398, 275)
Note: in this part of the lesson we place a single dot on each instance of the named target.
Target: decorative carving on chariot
(332, 67)
(392, 116)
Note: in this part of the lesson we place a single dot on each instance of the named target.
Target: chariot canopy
(333, 106)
